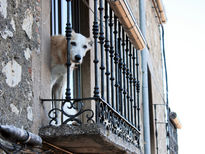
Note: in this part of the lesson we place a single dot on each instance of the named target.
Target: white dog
(79, 46)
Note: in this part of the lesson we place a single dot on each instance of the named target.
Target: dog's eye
(73, 43)
(85, 46)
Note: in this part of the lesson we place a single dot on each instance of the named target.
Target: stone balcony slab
(86, 138)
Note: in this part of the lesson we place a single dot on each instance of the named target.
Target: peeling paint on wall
(27, 23)
(3, 8)
(6, 33)
(12, 71)
(30, 95)
(27, 53)
(14, 109)
(13, 24)
(29, 113)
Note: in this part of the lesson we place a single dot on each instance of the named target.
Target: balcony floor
(87, 138)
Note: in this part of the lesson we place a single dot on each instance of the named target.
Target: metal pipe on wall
(21, 136)
(145, 95)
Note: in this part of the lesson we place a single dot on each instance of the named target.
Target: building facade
(114, 102)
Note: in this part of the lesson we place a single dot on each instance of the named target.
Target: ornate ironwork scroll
(70, 112)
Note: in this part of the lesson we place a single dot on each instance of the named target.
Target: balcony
(108, 121)
(173, 125)
(173, 141)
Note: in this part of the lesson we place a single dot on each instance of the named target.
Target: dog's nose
(77, 57)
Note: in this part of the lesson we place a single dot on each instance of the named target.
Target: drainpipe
(17, 135)
(145, 95)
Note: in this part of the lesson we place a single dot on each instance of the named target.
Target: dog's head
(79, 46)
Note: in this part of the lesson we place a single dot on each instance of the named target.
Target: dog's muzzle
(77, 58)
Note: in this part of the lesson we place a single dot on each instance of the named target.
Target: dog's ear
(90, 42)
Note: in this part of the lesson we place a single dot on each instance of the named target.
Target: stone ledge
(87, 138)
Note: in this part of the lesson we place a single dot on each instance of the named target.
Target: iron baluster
(127, 78)
(116, 65)
(120, 69)
(111, 57)
(131, 78)
(68, 37)
(107, 46)
(68, 32)
(134, 87)
(95, 36)
(101, 38)
(77, 29)
(138, 91)
(124, 74)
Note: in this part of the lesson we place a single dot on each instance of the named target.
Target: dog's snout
(77, 57)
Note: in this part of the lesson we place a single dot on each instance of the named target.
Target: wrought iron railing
(117, 85)
(173, 141)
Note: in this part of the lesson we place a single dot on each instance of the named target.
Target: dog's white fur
(79, 46)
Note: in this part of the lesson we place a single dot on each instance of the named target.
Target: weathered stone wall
(134, 5)
(154, 43)
(153, 37)
(21, 63)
